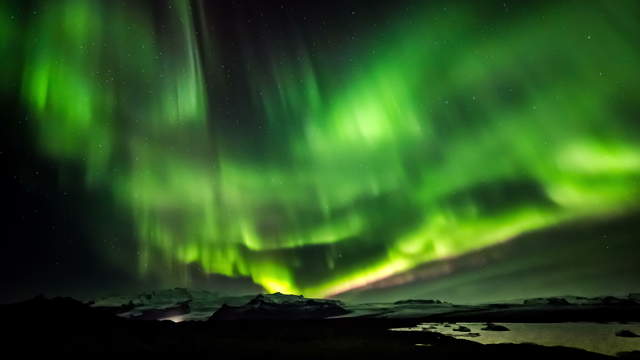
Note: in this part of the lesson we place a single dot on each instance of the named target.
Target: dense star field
(317, 147)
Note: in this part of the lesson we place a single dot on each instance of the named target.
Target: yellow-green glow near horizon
(447, 133)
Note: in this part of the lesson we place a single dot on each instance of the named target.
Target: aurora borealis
(319, 155)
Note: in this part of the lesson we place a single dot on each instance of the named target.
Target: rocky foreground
(278, 325)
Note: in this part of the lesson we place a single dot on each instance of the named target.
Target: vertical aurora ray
(446, 136)
(110, 90)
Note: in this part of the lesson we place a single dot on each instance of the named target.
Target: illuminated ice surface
(595, 337)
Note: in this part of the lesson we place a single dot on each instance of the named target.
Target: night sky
(466, 150)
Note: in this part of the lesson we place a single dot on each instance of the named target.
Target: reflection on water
(596, 337)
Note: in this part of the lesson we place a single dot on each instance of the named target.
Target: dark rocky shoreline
(65, 324)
